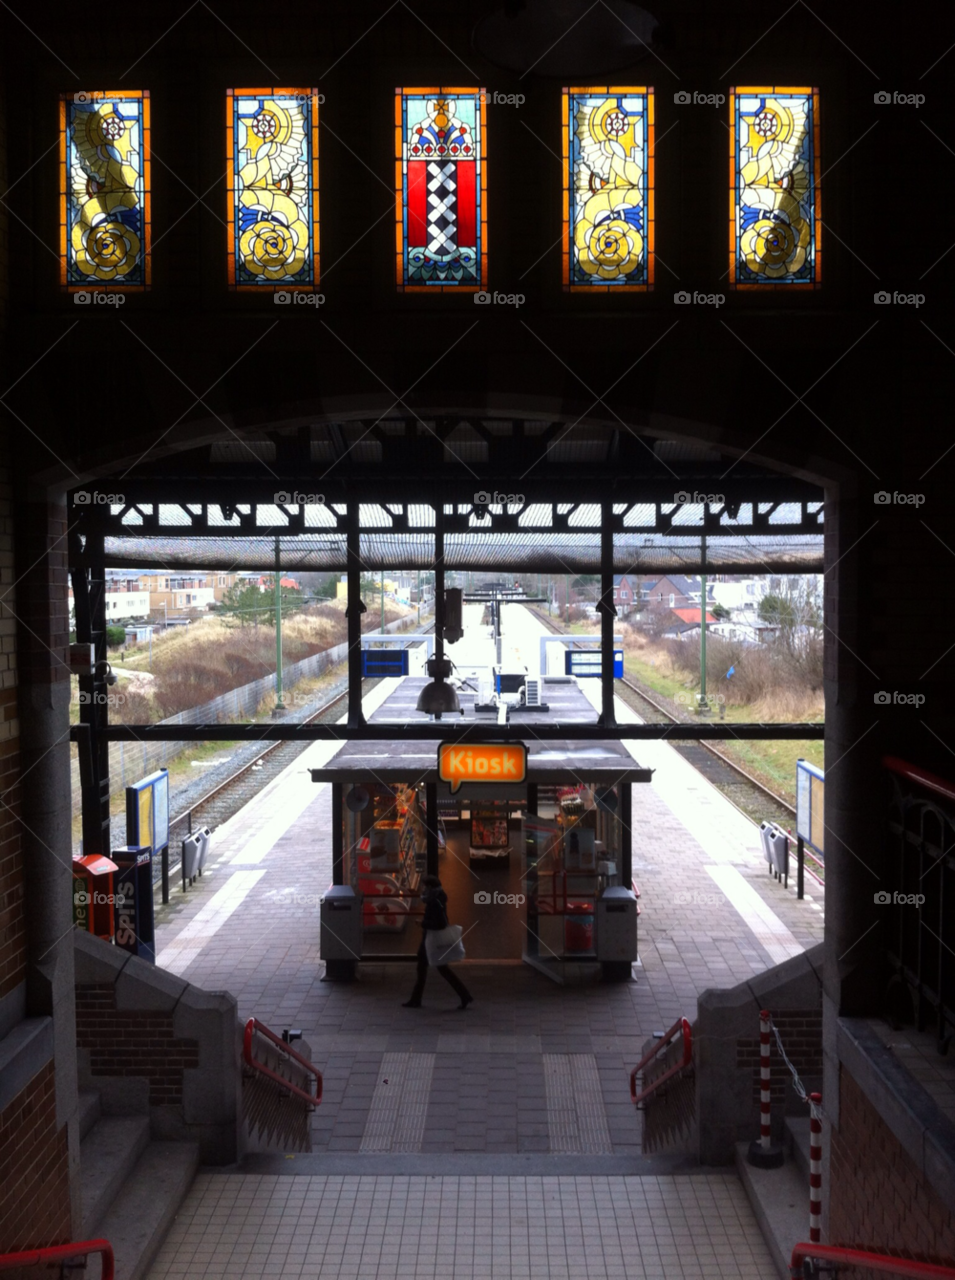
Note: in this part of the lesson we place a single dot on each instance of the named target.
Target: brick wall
(12, 926)
(132, 1043)
(35, 1207)
(801, 1034)
(878, 1200)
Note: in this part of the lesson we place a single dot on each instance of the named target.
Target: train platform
(493, 1075)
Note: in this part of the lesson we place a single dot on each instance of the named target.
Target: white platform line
(761, 920)
(207, 922)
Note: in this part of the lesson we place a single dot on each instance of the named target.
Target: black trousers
(452, 979)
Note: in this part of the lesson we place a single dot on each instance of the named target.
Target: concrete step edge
(108, 1155)
(89, 1111)
(140, 1217)
(780, 1201)
(798, 1141)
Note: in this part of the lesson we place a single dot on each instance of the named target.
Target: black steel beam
(452, 731)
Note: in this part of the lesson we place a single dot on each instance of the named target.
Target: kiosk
(524, 863)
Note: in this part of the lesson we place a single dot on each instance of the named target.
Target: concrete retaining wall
(171, 1048)
(727, 1068)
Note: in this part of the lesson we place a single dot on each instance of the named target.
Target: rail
(912, 773)
(886, 1263)
(61, 1253)
(682, 1027)
(251, 1027)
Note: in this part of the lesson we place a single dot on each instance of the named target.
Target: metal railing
(61, 1253)
(681, 1027)
(251, 1027)
(919, 922)
(884, 1262)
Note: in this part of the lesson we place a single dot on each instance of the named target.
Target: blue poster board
(810, 807)
(147, 811)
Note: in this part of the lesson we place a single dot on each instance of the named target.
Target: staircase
(780, 1197)
(132, 1187)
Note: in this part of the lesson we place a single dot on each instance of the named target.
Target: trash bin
(190, 859)
(340, 935)
(616, 929)
(205, 840)
(135, 930)
(779, 850)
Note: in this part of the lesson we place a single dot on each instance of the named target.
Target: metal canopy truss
(764, 524)
(741, 534)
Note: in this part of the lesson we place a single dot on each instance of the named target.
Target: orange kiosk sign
(477, 762)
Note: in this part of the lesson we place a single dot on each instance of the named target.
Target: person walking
(435, 918)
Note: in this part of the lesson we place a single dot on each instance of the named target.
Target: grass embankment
(767, 687)
(208, 658)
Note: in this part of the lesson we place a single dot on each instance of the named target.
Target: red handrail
(874, 1261)
(682, 1026)
(60, 1253)
(914, 773)
(254, 1025)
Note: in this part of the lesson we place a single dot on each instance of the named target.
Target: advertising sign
(478, 762)
(810, 806)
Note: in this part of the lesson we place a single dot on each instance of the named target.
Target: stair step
(108, 1155)
(137, 1221)
(798, 1141)
(89, 1112)
(780, 1200)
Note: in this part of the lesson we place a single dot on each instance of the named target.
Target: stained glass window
(440, 189)
(775, 232)
(272, 178)
(608, 188)
(104, 190)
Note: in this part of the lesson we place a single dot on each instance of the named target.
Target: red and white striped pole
(762, 1153)
(815, 1167)
(764, 1117)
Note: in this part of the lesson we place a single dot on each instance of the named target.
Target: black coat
(436, 911)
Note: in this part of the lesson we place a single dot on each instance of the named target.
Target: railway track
(750, 796)
(230, 795)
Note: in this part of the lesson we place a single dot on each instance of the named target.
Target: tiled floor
(465, 1228)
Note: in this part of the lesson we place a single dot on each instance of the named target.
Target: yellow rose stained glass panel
(774, 175)
(104, 194)
(272, 157)
(608, 188)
